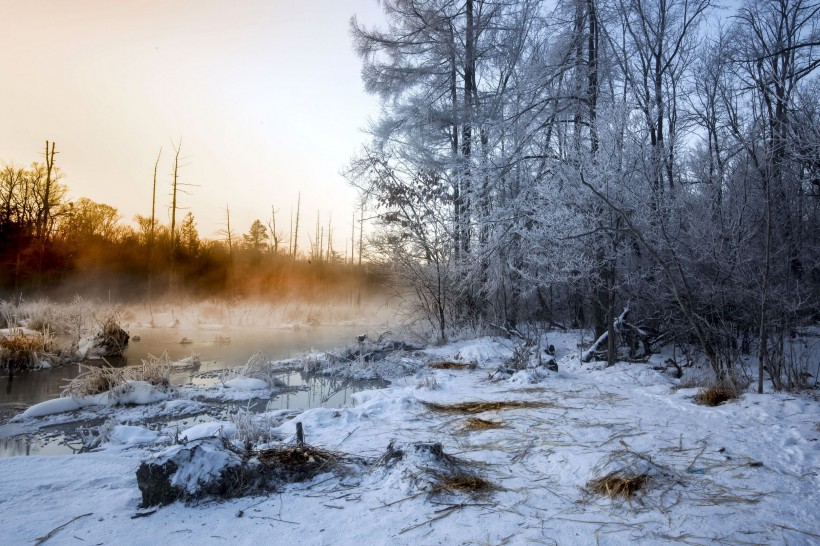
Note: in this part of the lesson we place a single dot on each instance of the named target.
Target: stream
(218, 349)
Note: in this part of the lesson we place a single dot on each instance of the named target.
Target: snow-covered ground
(747, 471)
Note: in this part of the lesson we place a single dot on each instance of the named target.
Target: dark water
(210, 345)
(308, 390)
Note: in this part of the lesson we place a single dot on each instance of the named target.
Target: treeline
(559, 162)
(51, 245)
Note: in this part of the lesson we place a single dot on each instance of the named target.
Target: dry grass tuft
(618, 485)
(295, 456)
(256, 428)
(258, 367)
(95, 380)
(99, 379)
(475, 423)
(714, 396)
(480, 407)
(452, 366)
(297, 463)
(466, 483)
(156, 370)
(21, 351)
(428, 469)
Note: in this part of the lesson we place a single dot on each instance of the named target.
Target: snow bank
(189, 363)
(129, 435)
(481, 351)
(211, 429)
(130, 392)
(747, 468)
(246, 384)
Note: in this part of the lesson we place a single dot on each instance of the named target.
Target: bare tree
(296, 229)
(152, 226)
(275, 236)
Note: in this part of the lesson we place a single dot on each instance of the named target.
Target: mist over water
(223, 335)
(276, 344)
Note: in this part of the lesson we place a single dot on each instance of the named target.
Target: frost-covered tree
(561, 162)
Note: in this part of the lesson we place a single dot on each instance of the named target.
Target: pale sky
(265, 94)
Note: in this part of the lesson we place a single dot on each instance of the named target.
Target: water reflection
(59, 443)
(37, 386)
(319, 391)
(304, 391)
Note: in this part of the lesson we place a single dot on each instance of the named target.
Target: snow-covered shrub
(313, 361)
(8, 312)
(156, 370)
(106, 378)
(253, 429)
(427, 381)
(43, 315)
(257, 368)
(94, 437)
(96, 380)
(426, 467)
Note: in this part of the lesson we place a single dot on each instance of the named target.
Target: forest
(55, 246)
(646, 168)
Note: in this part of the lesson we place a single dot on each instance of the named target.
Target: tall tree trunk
(467, 129)
(174, 188)
(296, 229)
(151, 231)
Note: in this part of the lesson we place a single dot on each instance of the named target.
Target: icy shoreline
(746, 469)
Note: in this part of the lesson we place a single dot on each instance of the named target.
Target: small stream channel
(218, 349)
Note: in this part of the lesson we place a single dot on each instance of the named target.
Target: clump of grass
(95, 380)
(465, 482)
(20, 351)
(253, 429)
(427, 382)
(520, 358)
(291, 464)
(156, 370)
(616, 484)
(452, 366)
(99, 379)
(480, 407)
(430, 469)
(258, 367)
(715, 395)
(8, 312)
(476, 423)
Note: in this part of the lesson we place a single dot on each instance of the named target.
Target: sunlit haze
(265, 95)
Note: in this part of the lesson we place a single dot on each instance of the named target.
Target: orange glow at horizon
(265, 96)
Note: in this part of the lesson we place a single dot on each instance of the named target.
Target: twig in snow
(274, 519)
(242, 512)
(348, 436)
(54, 531)
(787, 528)
(692, 464)
(523, 453)
(446, 512)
